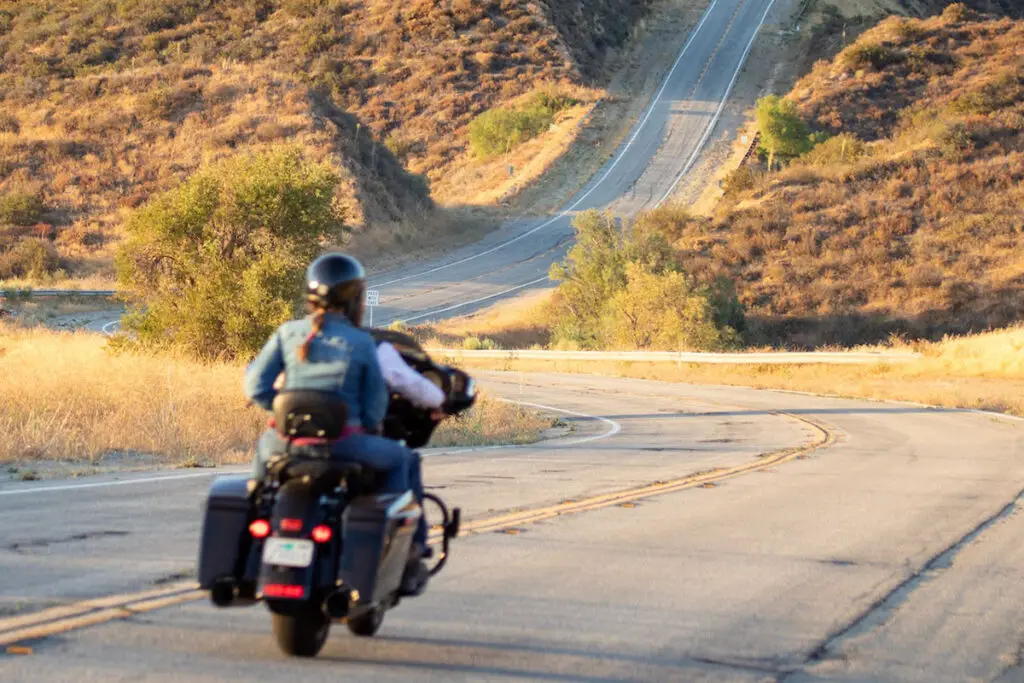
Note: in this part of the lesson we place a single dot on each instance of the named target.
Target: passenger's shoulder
(298, 327)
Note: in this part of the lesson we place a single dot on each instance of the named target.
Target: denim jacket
(342, 358)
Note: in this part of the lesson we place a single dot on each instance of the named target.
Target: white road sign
(372, 297)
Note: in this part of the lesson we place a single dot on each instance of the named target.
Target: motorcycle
(313, 540)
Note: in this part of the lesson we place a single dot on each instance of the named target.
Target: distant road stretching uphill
(659, 151)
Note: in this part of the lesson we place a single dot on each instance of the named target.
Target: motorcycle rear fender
(296, 500)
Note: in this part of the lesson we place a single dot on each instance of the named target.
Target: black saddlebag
(225, 542)
(377, 534)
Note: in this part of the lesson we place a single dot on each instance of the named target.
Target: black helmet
(337, 282)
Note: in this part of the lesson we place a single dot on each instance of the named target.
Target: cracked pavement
(894, 554)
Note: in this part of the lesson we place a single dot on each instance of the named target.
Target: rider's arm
(263, 371)
(375, 391)
(404, 380)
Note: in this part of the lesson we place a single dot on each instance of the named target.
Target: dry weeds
(984, 372)
(104, 106)
(922, 235)
(64, 396)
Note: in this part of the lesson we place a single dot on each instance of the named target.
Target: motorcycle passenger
(422, 393)
(327, 351)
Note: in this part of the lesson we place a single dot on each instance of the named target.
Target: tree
(217, 263)
(626, 289)
(665, 312)
(591, 273)
(783, 132)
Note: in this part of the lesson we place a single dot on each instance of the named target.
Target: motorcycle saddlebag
(377, 534)
(225, 530)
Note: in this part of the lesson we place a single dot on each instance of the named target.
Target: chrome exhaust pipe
(337, 604)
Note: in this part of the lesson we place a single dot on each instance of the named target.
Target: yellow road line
(67, 611)
(102, 610)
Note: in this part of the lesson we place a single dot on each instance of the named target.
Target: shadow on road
(513, 660)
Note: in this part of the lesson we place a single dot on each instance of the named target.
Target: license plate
(288, 552)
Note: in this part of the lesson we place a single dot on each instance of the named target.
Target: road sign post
(372, 300)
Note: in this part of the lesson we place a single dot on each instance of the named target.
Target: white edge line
(615, 429)
(119, 482)
(721, 107)
(612, 431)
(847, 397)
(474, 301)
(622, 153)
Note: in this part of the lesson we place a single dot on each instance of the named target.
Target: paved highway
(888, 549)
(663, 145)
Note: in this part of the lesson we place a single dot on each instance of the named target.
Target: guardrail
(43, 293)
(769, 358)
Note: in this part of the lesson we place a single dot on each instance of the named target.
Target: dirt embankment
(105, 104)
(909, 220)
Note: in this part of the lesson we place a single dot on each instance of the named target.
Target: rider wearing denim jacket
(327, 351)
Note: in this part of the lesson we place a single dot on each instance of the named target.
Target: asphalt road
(664, 143)
(892, 554)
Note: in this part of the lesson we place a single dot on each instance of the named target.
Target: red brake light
(322, 533)
(280, 590)
(260, 528)
(289, 524)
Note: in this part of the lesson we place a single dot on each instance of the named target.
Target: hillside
(105, 102)
(910, 220)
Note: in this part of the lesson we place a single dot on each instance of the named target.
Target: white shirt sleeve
(403, 380)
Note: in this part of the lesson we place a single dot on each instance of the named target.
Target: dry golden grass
(516, 323)
(922, 234)
(64, 396)
(104, 106)
(984, 372)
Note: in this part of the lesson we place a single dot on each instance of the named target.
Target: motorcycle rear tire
(301, 635)
(366, 624)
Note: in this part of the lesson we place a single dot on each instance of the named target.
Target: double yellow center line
(49, 622)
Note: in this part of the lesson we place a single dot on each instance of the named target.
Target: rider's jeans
(401, 464)
(372, 451)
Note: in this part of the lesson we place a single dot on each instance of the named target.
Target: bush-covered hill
(104, 102)
(911, 218)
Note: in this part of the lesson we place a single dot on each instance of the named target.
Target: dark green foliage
(216, 264)
(20, 208)
(628, 291)
(30, 257)
(498, 131)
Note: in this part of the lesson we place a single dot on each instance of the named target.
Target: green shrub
(20, 208)
(665, 312)
(845, 148)
(216, 264)
(29, 258)
(498, 131)
(627, 291)
(956, 13)
(867, 55)
(783, 133)
(473, 343)
(740, 180)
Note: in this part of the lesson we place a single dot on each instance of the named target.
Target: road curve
(890, 554)
(664, 144)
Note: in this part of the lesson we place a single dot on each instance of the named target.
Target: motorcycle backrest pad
(310, 414)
